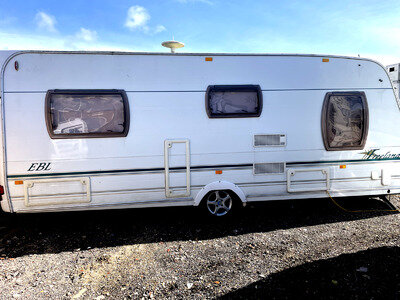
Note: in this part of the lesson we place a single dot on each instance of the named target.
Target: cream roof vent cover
(173, 45)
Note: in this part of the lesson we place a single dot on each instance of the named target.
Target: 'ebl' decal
(40, 167)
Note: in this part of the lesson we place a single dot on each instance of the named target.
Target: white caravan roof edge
(13, 53)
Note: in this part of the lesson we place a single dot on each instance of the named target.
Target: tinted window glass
(87, 114)
(233, 101)
(346, 120)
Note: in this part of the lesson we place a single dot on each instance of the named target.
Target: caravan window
(345, 120)
(86, 114)
(233, 101)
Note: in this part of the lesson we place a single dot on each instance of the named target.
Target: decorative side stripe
(341, 161)
(158, 170)
(198, 168)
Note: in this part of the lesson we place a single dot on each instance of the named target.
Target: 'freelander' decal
(373, 155)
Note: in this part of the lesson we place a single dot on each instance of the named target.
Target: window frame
(49, 123)
(324, 120)
(234, 88)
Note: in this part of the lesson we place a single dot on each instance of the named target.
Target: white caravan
(102, 130)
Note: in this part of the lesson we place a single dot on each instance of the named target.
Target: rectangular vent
(269, 168)
(262, 140)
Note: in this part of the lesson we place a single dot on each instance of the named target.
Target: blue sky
(368, 28)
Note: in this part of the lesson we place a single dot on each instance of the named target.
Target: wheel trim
(219, 203)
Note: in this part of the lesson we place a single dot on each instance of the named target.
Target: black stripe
(130, 170)
(340, 161)
(199, 167)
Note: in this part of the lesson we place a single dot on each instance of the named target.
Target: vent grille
(269, 168)
(269, 140)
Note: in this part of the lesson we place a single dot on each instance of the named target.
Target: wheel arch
(217, 186)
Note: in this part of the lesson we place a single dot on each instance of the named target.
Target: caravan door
(177, 168)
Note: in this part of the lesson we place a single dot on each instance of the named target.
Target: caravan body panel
(166, 95)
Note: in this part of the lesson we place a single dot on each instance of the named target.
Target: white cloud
(137, 18)
(159, 28)
(86, 35)
(20, 41)
(46, 22)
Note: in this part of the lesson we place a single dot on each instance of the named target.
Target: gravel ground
(289, 249)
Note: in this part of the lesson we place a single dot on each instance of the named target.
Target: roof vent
(173, 45)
